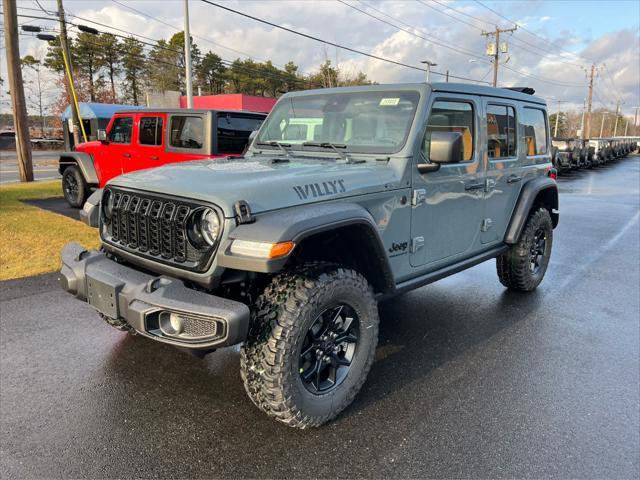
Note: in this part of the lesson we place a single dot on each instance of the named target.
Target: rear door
(504, 168)
(150, 141)
(448, 203)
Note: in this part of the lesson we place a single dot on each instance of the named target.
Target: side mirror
(101, 134)
(445, 147)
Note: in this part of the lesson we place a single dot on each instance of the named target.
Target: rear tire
(311, 343)
(74, 186)
(522, 268)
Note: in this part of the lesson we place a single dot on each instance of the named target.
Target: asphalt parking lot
(469, 380)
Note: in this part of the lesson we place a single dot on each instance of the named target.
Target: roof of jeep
(465, 88)
(186, 110)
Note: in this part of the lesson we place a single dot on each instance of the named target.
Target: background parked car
(140, 139)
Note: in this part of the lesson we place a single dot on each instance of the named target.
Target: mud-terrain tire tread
(513, 266)
(275, 320)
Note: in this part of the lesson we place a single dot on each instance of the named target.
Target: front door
(447, 204)
(118, 150)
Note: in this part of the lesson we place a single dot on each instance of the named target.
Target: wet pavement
(469, 381)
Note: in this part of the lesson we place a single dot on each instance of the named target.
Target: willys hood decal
(263, 183)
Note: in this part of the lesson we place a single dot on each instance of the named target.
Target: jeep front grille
(155, 227)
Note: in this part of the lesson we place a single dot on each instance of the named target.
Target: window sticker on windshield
(389, 102)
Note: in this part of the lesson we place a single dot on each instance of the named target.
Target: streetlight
(604, 114)
(429, 64)
(62, 38)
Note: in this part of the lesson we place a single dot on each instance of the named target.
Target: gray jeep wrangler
(345, 196)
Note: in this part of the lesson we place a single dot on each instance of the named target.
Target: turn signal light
(248, 248)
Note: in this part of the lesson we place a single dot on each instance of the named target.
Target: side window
(187, 132)
(234, 131)
(501, 131)
(535, 131)
(451, 117)
(150, 131)
(121, 130)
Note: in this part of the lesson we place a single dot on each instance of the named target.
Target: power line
(300, 81)
(519, 72)
(513, 38)
(611, 79)
(326, 42)
(526, 30)
(192, 34)
(444, 45)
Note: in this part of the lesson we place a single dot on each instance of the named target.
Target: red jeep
(139, 139)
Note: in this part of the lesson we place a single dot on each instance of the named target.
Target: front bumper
(144, 300)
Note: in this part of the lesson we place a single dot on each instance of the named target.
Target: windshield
(364, 122)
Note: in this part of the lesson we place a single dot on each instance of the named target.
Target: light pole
(584, 100)
(187, 55)
(555, 129)
(602, 123)
(429, 64)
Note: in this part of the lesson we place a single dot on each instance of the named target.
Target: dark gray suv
(344, 197)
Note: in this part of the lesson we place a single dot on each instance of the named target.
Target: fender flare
(84, 162)
(298, 223)
(528, 195)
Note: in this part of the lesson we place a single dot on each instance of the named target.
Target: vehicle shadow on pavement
(423, 331)
(420, 332)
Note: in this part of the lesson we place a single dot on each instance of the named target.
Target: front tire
(522, 268)
(311, 344)
(74, 186)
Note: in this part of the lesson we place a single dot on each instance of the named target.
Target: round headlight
(210, 226)
(107, 204)
(203, 228)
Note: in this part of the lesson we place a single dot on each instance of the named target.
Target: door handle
(513, 179)
(474, 186)
(126, 155)
(153, 157)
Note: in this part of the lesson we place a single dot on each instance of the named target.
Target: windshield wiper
(282, 146)
(334, 146)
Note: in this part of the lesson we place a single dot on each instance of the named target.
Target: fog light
(171, 324)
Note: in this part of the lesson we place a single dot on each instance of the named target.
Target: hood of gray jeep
(263, 184)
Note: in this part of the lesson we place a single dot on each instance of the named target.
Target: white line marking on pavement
(601, 251)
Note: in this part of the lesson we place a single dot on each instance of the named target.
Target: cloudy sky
(554, 44)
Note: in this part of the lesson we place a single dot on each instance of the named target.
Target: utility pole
(187, 55)
(64, 45)
(635, 117)
(447, 77)
(615, 122)
(626, 127)
(586, 132)
(496, 53)
(19, 106)
(429, 64)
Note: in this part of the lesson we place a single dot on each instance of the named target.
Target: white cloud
(335, 22)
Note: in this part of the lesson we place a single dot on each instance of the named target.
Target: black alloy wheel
(537, 251)
(71, 186)
(328, 349)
